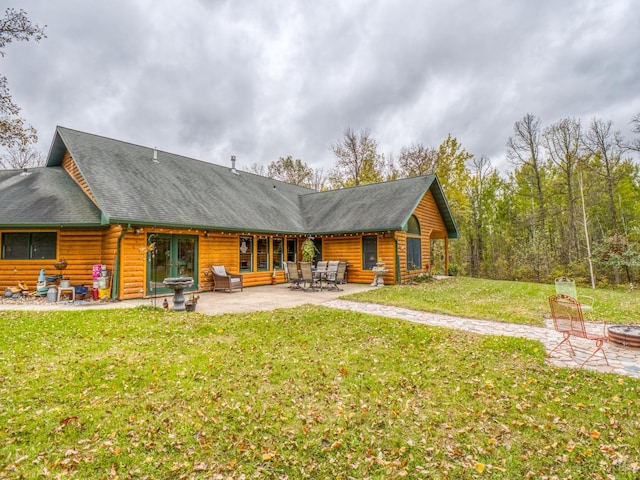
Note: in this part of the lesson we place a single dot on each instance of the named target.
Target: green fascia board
(441, 201)
(443, 207)
(209, 228)
(52, 226)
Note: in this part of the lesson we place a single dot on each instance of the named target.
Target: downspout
(116, 265)
(398, 277)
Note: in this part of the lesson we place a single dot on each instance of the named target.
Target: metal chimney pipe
(233, 164)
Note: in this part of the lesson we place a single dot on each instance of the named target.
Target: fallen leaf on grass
(65, 421)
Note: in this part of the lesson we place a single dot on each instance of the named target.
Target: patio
(266, 297)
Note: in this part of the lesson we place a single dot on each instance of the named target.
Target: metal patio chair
(569, 321)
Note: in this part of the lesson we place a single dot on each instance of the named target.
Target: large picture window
(278, 252)
(29, 246)
(369, 251)
(414, 244)
(246, 254)
(292, 249)
(263, 254)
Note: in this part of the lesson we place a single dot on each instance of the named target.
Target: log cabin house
(149, 214)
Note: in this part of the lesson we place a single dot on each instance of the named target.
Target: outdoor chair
(307, 277)
(287, 277)
(321, 266)
(223, 280)
(336, 277)
(568, 320)
(567, 286)
(293, 274)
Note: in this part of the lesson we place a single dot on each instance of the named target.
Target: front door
(170, 256)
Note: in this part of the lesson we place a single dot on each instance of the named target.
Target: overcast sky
(267, 79)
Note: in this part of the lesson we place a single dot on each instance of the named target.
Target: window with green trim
(369, 251)
(263, 254)
(29, 245)
(246, 254)
(278, 252)
(292, 249)
(414, 244)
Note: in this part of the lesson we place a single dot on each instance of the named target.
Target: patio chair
(292, 274)
(285, 268)
(568, 320)
(336, 277)
(567, 286)
(223, 280)
(307, 277)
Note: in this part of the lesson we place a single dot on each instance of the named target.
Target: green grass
(304, 393)
(513, 302)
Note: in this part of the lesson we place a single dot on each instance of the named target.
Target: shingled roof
(176, 191)
(373, 207)
(44, 197)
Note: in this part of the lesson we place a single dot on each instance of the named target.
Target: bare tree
(603, 145)
(358, 161)
(291, 171)
(523, 149)
(562, 142)
(15, 26)
(21, 158)
(417, 160)
(319, 180)
(257, 169)
(635, 144)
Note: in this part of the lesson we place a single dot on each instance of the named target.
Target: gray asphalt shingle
(44, 197)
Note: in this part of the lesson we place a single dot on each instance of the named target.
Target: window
(29, 246)
(263, 254)
(278, 252)
(246, 254)
(369, 251)
(414, 244)
(292, 249)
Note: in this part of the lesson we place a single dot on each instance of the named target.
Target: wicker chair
(223, 280)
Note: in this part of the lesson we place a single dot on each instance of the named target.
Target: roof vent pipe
(155, 155)
(233, 164)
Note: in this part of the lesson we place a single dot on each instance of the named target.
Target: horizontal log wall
(349, 249)
(80, 248)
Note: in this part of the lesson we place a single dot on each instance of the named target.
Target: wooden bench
(568, 320)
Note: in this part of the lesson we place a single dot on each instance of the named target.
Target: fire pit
(626, 335)
(178, 284)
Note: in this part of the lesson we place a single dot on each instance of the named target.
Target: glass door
(170, 256)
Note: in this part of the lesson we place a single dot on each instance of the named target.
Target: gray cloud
(262, 80)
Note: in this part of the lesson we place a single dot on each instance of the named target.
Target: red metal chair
(569, 321)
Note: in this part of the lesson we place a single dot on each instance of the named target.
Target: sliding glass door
(171, 256)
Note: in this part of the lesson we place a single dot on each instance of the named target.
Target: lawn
(514, 302)
(302, 393)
